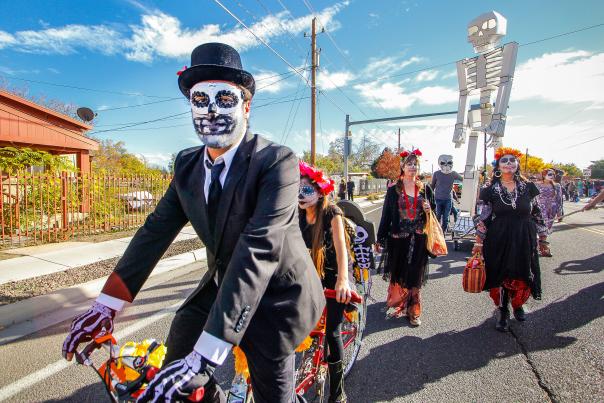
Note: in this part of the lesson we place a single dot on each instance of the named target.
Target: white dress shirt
(209, 346)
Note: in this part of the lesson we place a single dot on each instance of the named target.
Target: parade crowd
(275, 239)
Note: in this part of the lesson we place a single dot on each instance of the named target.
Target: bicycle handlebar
(354, 298)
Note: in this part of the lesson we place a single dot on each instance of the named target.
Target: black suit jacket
(270, 295)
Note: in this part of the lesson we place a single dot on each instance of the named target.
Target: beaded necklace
(513, 195)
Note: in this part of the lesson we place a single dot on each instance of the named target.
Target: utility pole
(398, 150)
(313, 89)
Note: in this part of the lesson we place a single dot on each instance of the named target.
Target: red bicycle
(312, 368)
(130, 367)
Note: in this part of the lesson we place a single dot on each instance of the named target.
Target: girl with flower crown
(510, 231)
(322, 227)
(401, 237)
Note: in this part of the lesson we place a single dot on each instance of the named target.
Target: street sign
(348, 146)
(587, 172)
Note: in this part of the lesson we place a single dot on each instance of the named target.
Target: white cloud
(388, 65)
(565, 77)
(65, 40)
(451, 74)
(158, 35)
(329, 81)
(270, 82)
(394, 96)
(160, 159)
(427, 75)
(161, 34)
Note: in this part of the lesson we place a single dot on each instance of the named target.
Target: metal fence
(42, 208)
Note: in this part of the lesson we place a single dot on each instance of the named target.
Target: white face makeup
(410, 168)
(508, 164)
(308, 195)
(218, 113)
(550, 175)
(445, 163)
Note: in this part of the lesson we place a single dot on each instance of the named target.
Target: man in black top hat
(240, 192)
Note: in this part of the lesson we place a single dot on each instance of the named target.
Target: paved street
(456, 355)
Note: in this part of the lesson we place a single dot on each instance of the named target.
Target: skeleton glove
(96, 322)
(179, 380)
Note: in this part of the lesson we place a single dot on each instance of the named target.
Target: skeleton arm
(459, 136)
(497, 126)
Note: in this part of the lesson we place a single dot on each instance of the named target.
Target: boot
(504, 312)
(336, 382)
(502, 322)
(519, 314)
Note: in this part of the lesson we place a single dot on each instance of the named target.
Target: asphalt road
(456, 355)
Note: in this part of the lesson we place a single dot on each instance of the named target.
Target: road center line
(371, 211)
(26, 382)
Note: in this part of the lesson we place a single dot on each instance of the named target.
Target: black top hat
(215, 61)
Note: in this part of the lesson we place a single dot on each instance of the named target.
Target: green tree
(323, 162)
(113, 158)
(597, 169)
(571, 169)
(364, 155)
(19, 160)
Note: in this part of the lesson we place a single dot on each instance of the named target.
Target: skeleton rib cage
(484, 70)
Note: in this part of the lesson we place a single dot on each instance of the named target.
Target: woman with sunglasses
(401, 235)
(509, 229)
(550, 202)
(322, 227)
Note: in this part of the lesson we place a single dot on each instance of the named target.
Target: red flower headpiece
(415, 152)
(325, 184)
(181, 71)
(501, 151)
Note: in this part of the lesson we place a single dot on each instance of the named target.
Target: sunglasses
(505, 160)
(446, 163)
(307, 190)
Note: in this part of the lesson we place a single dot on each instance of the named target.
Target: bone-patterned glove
(96, 322)
(179, 380)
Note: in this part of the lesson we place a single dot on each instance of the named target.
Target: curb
(33, 310)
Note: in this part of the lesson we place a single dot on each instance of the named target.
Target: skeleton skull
(485, 31)
(445, 163)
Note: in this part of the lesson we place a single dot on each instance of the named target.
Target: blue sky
(136, 48)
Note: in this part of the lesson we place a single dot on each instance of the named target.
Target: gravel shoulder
(19, 290)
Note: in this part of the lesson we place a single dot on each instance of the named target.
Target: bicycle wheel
(352, 335)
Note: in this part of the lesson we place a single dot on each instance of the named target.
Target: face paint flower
(308, 195)
(218, 113)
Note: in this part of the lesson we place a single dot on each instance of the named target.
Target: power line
(85, 88)
(139, 105)
(585, 142)
(260, 39)
(141, 123)
(562, 34)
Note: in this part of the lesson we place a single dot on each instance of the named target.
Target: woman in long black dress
(401, 234)
(322, 228)
(510, 231)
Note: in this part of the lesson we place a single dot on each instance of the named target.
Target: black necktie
(214, 193)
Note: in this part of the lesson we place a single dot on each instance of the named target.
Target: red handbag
(474, 275)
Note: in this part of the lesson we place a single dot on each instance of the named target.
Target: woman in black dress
(510, 231)
(401, 236)
(322, 228)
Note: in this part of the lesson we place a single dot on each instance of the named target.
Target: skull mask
(445, 163)
(218, 113)
(485, 31)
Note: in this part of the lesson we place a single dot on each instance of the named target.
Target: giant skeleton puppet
(490, 73)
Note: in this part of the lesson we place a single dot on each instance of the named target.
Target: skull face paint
(218, 113)
(308, 195)
(508, 164)
(445, 163)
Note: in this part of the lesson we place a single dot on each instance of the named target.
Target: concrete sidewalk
(55, 257)
(51, 258)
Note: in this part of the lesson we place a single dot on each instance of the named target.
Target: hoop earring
(497, 174)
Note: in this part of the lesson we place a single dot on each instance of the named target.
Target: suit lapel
(238, 169)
